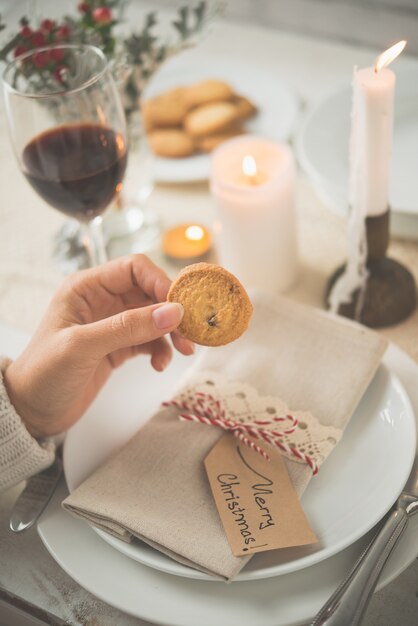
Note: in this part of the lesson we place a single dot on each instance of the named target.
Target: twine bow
(206, 409)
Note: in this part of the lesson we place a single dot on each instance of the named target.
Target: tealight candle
(187, 242)
(253, 181)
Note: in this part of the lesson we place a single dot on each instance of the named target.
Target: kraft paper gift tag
(155, 488)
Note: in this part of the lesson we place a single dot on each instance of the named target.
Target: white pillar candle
(253, 183)
(370, 148)
(371, 134)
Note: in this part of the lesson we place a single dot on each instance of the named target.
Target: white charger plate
(278, 106)
(322, 146)
(149, 594)
(290, 600)
(343, 502)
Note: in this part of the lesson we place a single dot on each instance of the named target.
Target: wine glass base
(130, 231)
(69, 253)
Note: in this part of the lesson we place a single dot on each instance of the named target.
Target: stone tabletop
(29, 577)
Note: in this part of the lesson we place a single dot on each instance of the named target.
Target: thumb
(131, 328)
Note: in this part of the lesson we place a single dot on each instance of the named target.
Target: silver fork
(348, 603)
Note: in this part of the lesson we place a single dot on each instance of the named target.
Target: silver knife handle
(35, 496)
(348, 603)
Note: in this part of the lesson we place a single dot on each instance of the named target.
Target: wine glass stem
(94, 241)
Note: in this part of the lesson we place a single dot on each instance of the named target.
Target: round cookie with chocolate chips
(217, 309)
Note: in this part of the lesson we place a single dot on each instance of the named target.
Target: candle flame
(389, 55)
(194, 233)
(249, 166)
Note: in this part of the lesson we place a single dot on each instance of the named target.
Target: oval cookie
(206, 91)
(210, 118)
(245, 108)
(217, 309)
(171, 143)
(167, 110)
(210, 142)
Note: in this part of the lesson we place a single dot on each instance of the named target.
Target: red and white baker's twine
(208, 410)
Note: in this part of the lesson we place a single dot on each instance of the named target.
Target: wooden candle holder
(390, 294)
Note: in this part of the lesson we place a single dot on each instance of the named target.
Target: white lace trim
(242, 403)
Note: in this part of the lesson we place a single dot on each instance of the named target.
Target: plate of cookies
(190, 109)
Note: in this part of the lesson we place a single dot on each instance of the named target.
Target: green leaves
(143, 48)
(190, 20)
(200, 12)
(10, 45)
(181, 24)
(143, 51)
(139, 46)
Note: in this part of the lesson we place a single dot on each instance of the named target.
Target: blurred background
(370, 22)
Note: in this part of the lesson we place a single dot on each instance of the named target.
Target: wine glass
(68, 130)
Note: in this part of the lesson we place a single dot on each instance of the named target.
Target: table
(29, 579)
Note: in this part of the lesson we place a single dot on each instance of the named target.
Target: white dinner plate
(323, 152)
(278, 106)
(343, 502)
(290, 600)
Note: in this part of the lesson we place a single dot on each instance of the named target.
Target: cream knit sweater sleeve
(21, 456)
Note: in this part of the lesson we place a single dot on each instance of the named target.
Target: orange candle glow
(187, 241)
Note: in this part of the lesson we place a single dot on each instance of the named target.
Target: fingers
(159, 349)
(161, 354)
(183, 345)
(128, 328)
(124, 292)
(122, 275)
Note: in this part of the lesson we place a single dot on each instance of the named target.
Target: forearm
(21, 456)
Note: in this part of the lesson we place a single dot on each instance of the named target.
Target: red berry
(59, 73)
(40, 59)
(26, 32)
(83, 7)
(62, 33)
(37, 39)
(56, 54)
(102, 15)
(47, 26)
(19, 50)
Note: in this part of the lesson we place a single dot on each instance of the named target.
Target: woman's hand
(97, 319)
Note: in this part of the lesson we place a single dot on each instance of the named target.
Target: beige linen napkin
(156, 489)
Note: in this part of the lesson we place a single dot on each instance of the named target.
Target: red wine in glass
(68, 130)
(76, 168)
